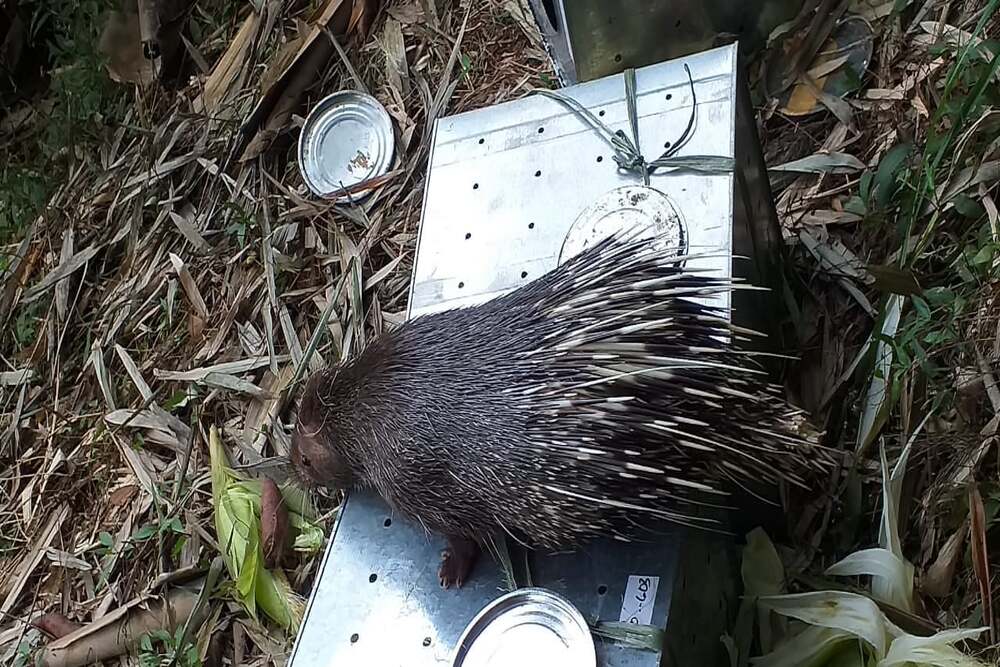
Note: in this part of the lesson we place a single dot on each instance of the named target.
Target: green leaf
(888, 168)
(854, 614)
(813, 647)
(923, 310)
(968, 207)
(984, 256)
(106, 540)
(934, 651)
(865, 185)
(856, 205)
(172, 525)
(144, 533)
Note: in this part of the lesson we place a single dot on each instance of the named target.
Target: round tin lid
(530, 627)
(630, 207)
(347, 139)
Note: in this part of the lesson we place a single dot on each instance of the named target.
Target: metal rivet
(427, 641)
(354, 638)
(524, 274)
(372, 578)
(602, 589)
(461, 285)
(600, 158)
(468, 236)
(475, 186)
(531, 225)
(482, 141)
(387, 523)
(538, 173)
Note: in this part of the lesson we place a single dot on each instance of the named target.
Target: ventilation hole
(468, 235)
(670, 96)
(427, 641)
(618, 57)
(387, 523)
(541, 130)
(461, 285)
(666, 144)
(524, 274)
(475, 186)
(531, 225)
(602, 589)
(372, 578)
(601, 112)
(600, 158)
(354, 638)
(538, 173)
(482, 141)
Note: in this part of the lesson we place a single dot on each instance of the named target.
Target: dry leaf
(980, 555)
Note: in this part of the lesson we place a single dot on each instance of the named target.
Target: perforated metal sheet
(505, 185)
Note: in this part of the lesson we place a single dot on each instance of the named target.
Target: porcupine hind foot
(457, 561)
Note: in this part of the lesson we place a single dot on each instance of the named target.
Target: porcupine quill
(559, 412)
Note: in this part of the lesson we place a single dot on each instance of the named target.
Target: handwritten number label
(639, 599)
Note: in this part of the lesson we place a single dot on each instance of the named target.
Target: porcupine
(557, 412)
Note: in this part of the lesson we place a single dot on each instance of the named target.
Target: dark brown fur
(557, 412)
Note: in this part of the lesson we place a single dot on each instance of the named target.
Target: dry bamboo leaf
(211, 348)
(103, 377)
(939, 578)
(15, 378)
(190, 287)
(980, 555)
(68, 560)
(185, 224)
(65, 269)
(227, 368)
(397, 72)
(224, 75)
(139, 469)
(30, 560)
(291, 337)
(133, 372)
(62, 289)
(272, 357)
(233, 383)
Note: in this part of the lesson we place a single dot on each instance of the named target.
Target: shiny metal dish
(638, 208)
(347, 140)
(530, 627)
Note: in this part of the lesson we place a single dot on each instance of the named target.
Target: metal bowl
(347, 140)
(530, 627)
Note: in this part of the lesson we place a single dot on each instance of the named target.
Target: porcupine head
(314, 454)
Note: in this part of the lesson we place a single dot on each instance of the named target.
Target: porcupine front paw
(457, 561)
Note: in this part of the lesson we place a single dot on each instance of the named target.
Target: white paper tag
(640, 595)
